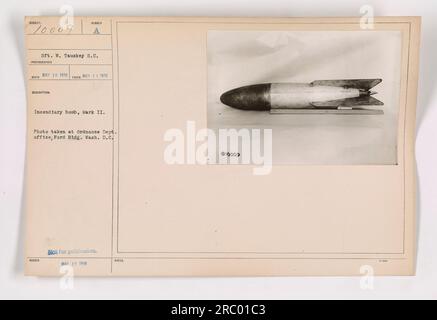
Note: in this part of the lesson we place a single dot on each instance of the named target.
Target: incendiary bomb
(320, 96)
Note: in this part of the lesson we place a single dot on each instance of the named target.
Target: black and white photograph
(218, 159)
(329, 97)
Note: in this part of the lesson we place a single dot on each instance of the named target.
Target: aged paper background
(113, 207)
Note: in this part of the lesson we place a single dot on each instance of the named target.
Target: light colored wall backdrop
(12, 151)
(239, 58)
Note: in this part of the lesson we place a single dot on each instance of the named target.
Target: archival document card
(165, 146)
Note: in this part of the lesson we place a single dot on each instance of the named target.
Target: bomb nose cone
(229, 97)
(254, 97)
